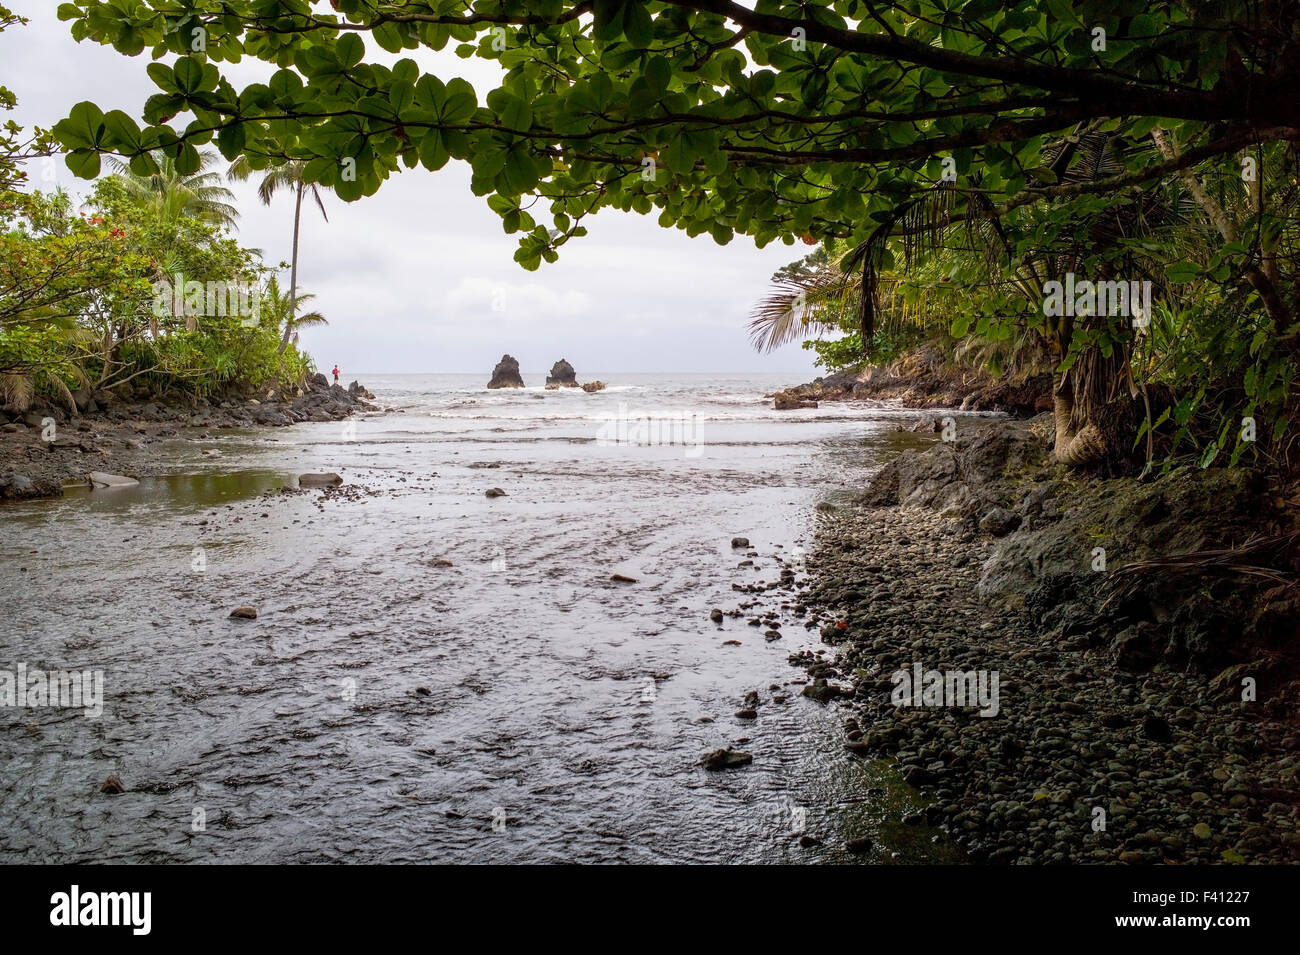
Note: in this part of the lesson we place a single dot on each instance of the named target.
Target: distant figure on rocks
(336, 374)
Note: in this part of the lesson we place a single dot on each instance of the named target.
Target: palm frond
(792, 309)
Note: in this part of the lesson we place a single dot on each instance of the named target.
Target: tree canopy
(787, 119)
(1067, 136)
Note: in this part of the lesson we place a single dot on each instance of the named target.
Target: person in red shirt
(336, 374)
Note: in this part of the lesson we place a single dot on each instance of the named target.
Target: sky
(420, 276)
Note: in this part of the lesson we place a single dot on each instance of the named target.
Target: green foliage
(1000, 136)
(859, 109)
(16, 146)
(837, 354)
(80, 293)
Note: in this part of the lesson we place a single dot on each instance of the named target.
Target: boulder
(727, 758)
(84, 399)
(785, 401)
(562, 376)
(103, 479)
(318, 382)
(244, 612)
(999, 522)
(506, 374)
(358, 390)
(593, 386)
(328, 479)
(19, 486)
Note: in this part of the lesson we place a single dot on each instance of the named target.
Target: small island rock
(506, 374)
(562, 376)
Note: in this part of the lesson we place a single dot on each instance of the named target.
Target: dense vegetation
(1021, 142)
(1208, 366)
(137, 291)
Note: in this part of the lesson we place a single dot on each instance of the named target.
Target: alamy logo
(175, 297)
(623, 428)
(74, 689)
(1129, 299)
(921, 687)
(103, 908)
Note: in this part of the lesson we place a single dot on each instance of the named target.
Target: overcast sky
(408, 277)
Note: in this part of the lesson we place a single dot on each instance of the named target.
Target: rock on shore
(789, 401)
(43, 448)
(506, 374)
(1147, 713)
(922, 379)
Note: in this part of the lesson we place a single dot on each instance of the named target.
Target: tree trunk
(293, 273)
(1076, 447)
(1089, 409)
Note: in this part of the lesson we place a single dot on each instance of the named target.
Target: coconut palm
(172, 195)
(288, 175)
(282, 309)
(808, 297)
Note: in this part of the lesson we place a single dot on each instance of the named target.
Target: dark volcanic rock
(506, 374)
(17, 486)
(1142, 673)
(925, 378)
(726, 759)
(788, 401)
(118, 426)
(999, 522)
(562, 376)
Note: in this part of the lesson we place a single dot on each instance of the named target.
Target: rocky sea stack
(562, 376)
(506, 374)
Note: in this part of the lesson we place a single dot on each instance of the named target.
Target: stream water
(517, 705)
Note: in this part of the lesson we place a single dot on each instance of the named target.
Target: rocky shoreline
(1148, 700)
(922, 379)
(44, 449)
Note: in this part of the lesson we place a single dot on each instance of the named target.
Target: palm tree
(283, 309)
(288, 175)
(172, 195)
(808, 297)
